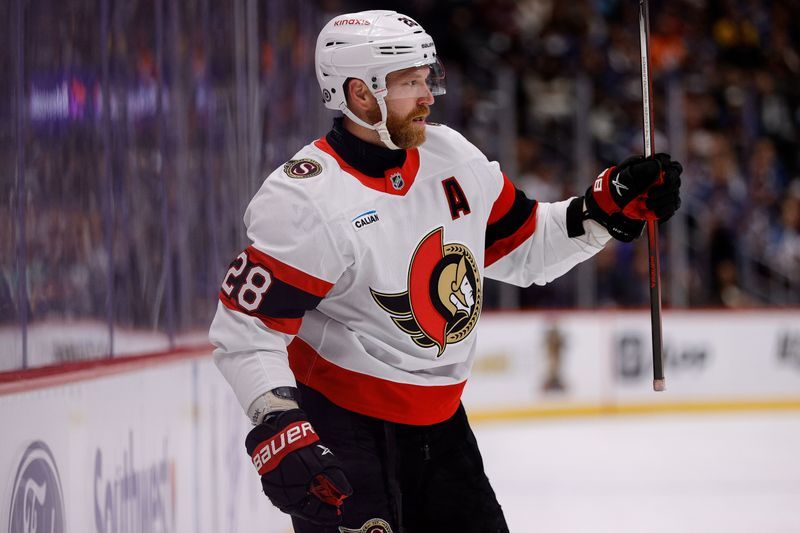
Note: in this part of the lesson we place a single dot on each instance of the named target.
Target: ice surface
(731, 473)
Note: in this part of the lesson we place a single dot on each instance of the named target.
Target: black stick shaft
(652, 226)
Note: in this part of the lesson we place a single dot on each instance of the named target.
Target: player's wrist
(272, 402)
(576, 214)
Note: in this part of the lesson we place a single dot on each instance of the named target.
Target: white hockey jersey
(368, 289)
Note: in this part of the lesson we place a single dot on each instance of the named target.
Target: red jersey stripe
(503, 247)
(504, 202)
(403, 403)
(290, 326)
(289, 274)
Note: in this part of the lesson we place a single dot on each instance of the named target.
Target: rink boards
(593, 362)
(153, 450)
(155, 444)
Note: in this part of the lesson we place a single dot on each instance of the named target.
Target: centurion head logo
(443, 299)
(37, 500)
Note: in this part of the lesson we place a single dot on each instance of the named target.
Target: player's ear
(358, 95)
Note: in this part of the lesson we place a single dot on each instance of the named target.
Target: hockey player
(347, 328)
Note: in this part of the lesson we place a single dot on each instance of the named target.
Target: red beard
(405, 134)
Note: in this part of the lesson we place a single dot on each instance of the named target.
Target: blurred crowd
(132, 155)
(727, 103)
(141, 206)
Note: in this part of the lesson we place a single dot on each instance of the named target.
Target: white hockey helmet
(368, 45)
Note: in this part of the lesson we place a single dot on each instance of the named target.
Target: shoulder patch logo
(302, 168)
(443, 299)
(365, 219)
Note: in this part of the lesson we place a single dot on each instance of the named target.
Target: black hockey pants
(406, 479)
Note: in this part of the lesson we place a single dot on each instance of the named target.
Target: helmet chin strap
(380, 127)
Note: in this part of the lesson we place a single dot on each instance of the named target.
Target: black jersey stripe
(280, 300)
(512, 221)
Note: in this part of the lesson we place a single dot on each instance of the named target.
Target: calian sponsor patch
(365, 219)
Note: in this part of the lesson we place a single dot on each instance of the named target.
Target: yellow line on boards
(482, 415)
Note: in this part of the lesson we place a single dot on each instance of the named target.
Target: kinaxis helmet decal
(443, 299)
(37, 500)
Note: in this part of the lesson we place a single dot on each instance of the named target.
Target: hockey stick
(652, 225)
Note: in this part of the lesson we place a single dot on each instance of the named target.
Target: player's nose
(426, 98)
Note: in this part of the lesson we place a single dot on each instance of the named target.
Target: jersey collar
(381, 169)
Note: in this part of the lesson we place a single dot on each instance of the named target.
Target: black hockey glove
(623, 197)
(300, 476)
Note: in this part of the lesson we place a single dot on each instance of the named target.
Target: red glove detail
(326, 491)
(268, 455)
(622, 197)
(601, 192)
(637, 208)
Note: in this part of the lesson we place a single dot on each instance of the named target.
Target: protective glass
(416, 82)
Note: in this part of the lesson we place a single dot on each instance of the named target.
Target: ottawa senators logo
(302, 168)
(443, 300)
(376, 525)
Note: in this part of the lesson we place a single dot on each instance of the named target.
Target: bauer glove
(623, 197)
(300, 476)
